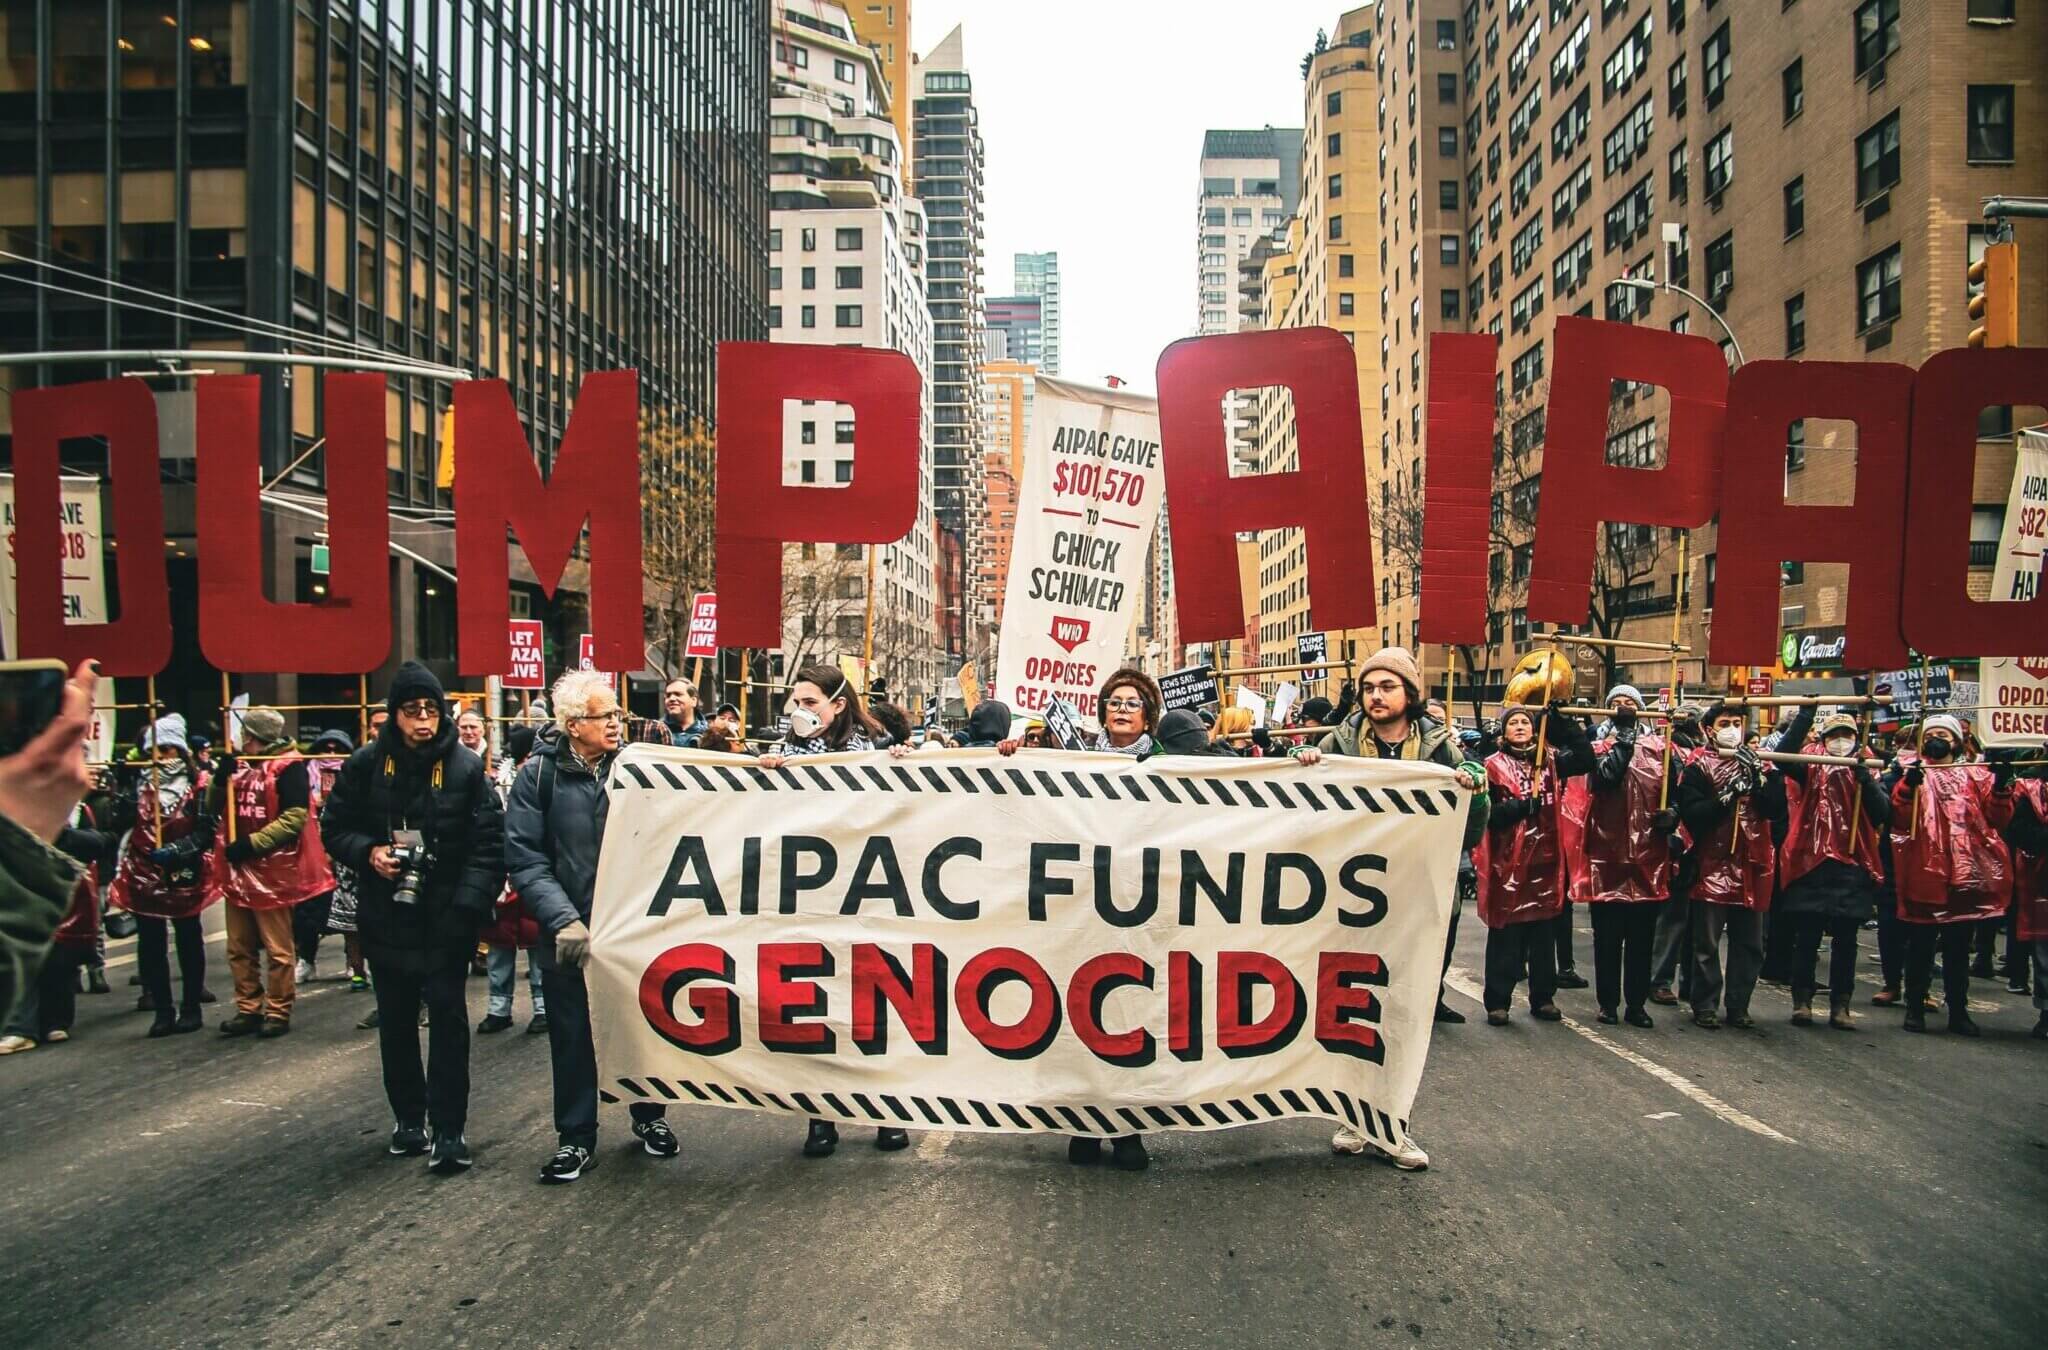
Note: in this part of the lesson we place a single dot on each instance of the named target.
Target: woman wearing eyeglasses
(826, 718)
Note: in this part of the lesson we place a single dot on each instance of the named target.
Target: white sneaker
(1409, 1157)
(14, 1045)
(1347, 1140)
(304, 971)
(60, 1034)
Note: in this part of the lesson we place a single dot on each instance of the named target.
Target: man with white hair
(554, 828)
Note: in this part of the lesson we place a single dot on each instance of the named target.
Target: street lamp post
(1652, 284)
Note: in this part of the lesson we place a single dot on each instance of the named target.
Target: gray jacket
(551, 859)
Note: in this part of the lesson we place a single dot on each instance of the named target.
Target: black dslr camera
(409, 851)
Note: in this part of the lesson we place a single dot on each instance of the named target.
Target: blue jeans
(504, 970)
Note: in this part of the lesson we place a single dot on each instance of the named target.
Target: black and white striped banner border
(941, 1113)
(1139, 786)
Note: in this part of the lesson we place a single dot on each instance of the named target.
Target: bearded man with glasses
(418, 818)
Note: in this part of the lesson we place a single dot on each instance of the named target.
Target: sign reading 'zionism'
(1077, 943)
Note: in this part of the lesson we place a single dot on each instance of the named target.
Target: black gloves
(241, 850)
(1665, 821)
(1915, 776)
(2001, 773)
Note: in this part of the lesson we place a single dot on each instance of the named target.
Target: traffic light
(1995, 301)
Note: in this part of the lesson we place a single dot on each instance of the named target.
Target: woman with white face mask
(1832, 873)
(1728, 800)
(826, 718)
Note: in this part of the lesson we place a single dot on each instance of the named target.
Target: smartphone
(31, 696)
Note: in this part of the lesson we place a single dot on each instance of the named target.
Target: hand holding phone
(42, 743)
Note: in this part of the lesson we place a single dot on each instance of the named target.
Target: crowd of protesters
(1677, 829)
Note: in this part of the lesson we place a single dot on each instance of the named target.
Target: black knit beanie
(414, 681)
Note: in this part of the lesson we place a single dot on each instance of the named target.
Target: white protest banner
(1092, 487)
(2016, 572)
(2014, 695)
(586, 651)
(524, 635)
(1189, 687)
(1254, 701)
(1052, 942)
(1312, 649)
(703, 638)
(85, 575)
(1063, 725)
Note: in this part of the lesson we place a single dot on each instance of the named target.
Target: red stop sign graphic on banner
(1068, 633)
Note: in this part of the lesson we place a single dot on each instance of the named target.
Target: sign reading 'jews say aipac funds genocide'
(1054, 941)
(1092, 484)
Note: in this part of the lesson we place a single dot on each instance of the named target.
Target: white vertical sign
(85, 576)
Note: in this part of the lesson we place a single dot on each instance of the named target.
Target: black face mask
(1937, 749)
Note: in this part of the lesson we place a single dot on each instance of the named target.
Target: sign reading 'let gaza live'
(1723, 462)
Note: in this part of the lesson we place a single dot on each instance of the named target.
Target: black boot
(1916, 1015)
(1084, 1151)
(165, 1024)
(821, 1140)
(97, 981)
(1961, 1024)
(1127, 1154)
(889, 1139)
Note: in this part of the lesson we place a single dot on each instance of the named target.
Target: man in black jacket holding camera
(417, 817)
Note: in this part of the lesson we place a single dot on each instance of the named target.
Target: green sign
(1788, 651)
(319, 560)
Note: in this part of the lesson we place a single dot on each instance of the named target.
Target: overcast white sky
(1092, 114)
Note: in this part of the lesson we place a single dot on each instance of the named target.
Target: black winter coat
(386, 786)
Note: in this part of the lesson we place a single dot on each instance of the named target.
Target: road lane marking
(1458, 980)
(114, 962)
(1662, 1115)
(933, 1145)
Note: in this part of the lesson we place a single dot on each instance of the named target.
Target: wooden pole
(1677, 612)
(867, 625)
(1920, 741)
(746, 673)
(227, 721)
(156, 813)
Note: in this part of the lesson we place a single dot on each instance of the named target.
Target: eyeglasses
(613, 716)
(1124, 704)
(420, 707)
(1384, 687)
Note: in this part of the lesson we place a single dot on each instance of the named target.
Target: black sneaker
(1636, 1017)
(369, 1021)
(657, 1138)
(889, 1139)
(1127, 1154)
(408, 1141)
(1571, 979)
(538, 1026)
(570, 1162)
(1607, 1017)
(821, 1139)
(493, 1022)
(2017, 984)
(1084, 1151)
(1446, 1013)
(451, 1155)
(241, 1024)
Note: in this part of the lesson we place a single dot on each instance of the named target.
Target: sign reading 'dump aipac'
(1053, 941)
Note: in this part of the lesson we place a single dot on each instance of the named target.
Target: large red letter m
(498, 486)
(1324, 495)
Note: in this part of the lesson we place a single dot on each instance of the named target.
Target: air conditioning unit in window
(1722, 283)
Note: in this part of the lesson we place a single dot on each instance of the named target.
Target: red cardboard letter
(1457, 500)
(1324, 496)
(1760, 529)
(241, 630)
(1581, 489)
(123, 412)
(758, 513)
(596, 475)
(1936, 611)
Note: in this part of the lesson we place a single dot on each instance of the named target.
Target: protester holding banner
(330, 750)
(826, 718)
(1830, 868)
(1729, 800)
(275, 859)
(1671, 947)
(1522, 869)
(1390, 686)
(679, 713)
(554, 828)
(168, 874)
(1623, 871)
(2028, 835)
(987, 726)
(1952, 866)
(414, 814)
(1129, 710)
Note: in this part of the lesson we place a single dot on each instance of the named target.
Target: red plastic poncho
(1613, 850)
(80, 926)
(1737, 860)
(1952, 866)
(511, 925)
(2030, 871)
(1521, 870)
(1822, 812)
(166, 892)
(283, 877)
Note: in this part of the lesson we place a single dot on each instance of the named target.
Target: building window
(774, 241)
(1877, 33)
(1795, 324)
(842, 433)
(1333, 102)
(807, 472)
(1794, 81)
(1447, 304)
(846, 238)
(1334, 145)
(1447, 194)
(1346, 305)
(1721, 268)
(1990, 124)
(1336, 188)
(808, 278)
(846, 278)
(1447, 35)
(1336, 227)
(842, 71)
(1795, 443)
(1795, 206)
(1877, 159)
(842, 472)
(809, 318)
(810, 240)
(1714, 64)
(1991, 10)
(1447, 141)
(1720, 162)
(1346, 266)
(775, 316)
(807, 433)
(1877, 289)
(1447, 89)
(1447, 248)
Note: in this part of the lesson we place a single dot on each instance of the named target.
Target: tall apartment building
(450, 191)
(1537, 154)
(1039, 274)
(886, 28)
(948, 154)
(1016, 329)
(1010, 385)
(846, 266)
(1321, 273)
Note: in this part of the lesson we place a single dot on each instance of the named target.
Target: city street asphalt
(1589, 1186)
